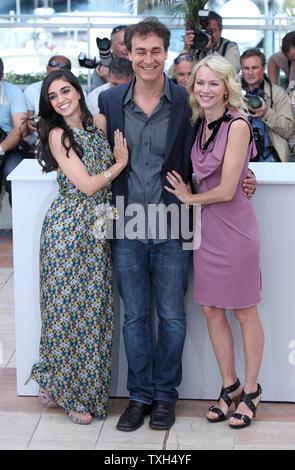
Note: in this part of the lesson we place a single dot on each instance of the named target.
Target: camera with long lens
(202, 36)
(105, 55)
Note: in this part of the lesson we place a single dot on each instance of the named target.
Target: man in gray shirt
(146, 143)
(154, 114)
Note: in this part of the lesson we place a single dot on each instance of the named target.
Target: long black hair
(49, 119)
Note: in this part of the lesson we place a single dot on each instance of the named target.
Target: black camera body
(202, 36)
(105, 55)
(85, 62)
(2, 161)
(259, 142)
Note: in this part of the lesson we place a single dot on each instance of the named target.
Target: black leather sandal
(224, 395)
(247, 398)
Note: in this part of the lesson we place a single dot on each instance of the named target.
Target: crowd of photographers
(271, 106)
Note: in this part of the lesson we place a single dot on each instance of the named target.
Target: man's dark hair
(251, 53)
(288, 42)
(1, 68)
(145, 27)
(121, 67)
(214, 16)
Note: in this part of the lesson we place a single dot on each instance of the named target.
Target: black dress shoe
(163, 415)
(133, 416)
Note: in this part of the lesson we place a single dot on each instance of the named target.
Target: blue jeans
(154, 367)
(11, 161)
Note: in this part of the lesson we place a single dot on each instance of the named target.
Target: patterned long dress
(76, 291)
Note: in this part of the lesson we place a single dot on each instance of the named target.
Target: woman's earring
(225, 96)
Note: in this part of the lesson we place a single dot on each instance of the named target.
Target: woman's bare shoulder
(55, 133)
(239, 126)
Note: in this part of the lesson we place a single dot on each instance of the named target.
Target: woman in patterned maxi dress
(226, 265)
(75, 261)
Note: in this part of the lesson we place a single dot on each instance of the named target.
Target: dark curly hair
(49, 119)
(145, 27)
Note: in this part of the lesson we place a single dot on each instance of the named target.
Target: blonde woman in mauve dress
(226, 266)
(74, 368)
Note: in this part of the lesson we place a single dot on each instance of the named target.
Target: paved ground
(26, 424)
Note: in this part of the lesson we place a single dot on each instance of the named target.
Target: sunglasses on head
(182, 58)
(118, 28)
(61, 65)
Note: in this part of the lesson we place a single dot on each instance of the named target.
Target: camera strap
(25, 148)
(224, 47)
(270, 85)
(288, 77)
(223, 44)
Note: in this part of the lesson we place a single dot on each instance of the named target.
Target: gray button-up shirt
(146, 137)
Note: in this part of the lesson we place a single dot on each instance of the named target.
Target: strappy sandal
(79, 418)
(224, 395)
(247, 398)
(47, 399)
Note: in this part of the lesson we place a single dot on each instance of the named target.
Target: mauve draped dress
(227, 265)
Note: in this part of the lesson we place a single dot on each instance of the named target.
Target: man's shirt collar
(166, 93)
(257, 91)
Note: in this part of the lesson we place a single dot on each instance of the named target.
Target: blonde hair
(224, 71)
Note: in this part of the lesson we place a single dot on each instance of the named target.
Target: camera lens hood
(254, 101)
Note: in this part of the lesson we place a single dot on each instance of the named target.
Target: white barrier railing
(27, 41)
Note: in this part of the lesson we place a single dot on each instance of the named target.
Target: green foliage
(23, 79)
(187, 9)
(28, 78)
(288, 6)
(190, 11)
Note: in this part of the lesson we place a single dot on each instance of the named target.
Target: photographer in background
(118, 48)
(120, 71)
(182, 68)
(270, 112)
(212, 24)
(13, 114)
(283, 60)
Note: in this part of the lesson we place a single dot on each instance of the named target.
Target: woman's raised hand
(121, 152)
